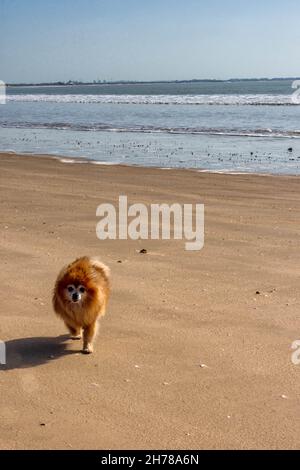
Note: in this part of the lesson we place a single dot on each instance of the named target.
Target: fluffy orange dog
(80, 297)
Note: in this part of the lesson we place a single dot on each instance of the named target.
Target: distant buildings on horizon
(135, 82)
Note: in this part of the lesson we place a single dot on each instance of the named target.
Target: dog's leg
(75, 332)
(89, 333)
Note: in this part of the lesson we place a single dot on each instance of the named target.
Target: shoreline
(84, 160)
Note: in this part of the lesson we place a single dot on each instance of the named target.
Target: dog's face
(81, 289)
(75, 293)
(77, 290)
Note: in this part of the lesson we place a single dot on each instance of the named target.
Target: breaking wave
(237, 100)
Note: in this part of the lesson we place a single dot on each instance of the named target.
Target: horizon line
(128, 82)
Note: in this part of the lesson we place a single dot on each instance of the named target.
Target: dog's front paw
(87, 349)
(76, 337)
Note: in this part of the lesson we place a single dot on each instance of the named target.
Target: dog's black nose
(75, 297)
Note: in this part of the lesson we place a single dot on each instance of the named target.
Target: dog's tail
(101, 267)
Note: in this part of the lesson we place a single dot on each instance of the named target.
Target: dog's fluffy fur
(80, 297)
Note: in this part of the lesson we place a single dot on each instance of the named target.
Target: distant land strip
(137, 82)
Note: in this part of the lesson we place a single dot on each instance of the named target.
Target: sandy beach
(195, 349)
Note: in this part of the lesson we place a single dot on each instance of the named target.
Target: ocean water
(248, 126)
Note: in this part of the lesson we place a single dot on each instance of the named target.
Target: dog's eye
(81, 290)
(70, 289)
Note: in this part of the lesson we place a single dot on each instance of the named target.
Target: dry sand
(170, 312)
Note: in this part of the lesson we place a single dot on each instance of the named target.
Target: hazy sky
(48, 40)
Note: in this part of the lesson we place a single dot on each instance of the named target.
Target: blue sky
(48, 40)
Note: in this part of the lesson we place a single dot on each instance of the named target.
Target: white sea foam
(98, 162)
(275, 100)
(70, 160)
